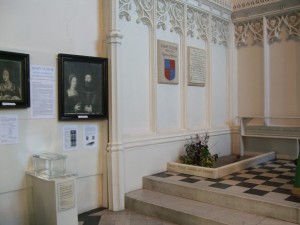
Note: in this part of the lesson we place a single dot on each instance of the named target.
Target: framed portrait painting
(14, 80)
(82, 87)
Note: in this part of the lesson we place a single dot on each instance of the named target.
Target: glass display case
(49, 165)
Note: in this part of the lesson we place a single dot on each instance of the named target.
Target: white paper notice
(42, 72)
(42, 81)
(66, 195)
(70, 138)
(90, 136)
(9, 129)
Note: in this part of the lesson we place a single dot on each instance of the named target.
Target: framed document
(82, 87)
(14, 80)
(196, 66)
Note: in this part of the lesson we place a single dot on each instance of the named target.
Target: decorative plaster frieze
(244, 29)
(199, 21)
(257, 31)
(241, 34)
(203, 25)
(163, 7)
(292, 21)
(145, 11)
(191, 21)
(219, 31)
(244, 4)
(252, 9)
(226, 5)
(223, 3)
(124, 8)
(273, 28)
(289, 22)
(177, 17)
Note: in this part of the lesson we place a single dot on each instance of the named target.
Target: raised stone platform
(251, 159)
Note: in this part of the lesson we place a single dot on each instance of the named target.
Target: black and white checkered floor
(272, 180)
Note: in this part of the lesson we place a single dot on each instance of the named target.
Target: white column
(266, 72)
(115, 150)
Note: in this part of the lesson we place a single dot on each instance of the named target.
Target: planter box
(215, 173)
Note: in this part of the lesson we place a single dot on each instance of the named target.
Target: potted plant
(198, 153)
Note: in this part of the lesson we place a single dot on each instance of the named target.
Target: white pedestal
(54, 201)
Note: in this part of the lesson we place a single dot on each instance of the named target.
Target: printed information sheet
(9, 129)
(90, 136)
(66, 195)
(42, 84)
(70, 138)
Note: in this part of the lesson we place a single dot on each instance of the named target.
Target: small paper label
(8, 103)
(82, 117)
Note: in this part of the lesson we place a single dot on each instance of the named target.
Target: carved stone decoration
(241, 30)
(124, 8)
(191, 21)
(177, 17)
(199, 21)
(292, 21)
(223, 32)
(145, 11)
(273, 28)
(163, 7)
(219, 31)
(257, 31)
(214, 29)
(203, 25)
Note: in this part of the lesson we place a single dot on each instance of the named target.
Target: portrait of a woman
(72, 104)
(8, 90)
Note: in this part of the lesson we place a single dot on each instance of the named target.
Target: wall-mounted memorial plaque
(167, 56)
(196, 66)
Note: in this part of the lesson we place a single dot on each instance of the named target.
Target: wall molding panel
(208, 21)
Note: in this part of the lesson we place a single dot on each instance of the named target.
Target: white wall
(44, 29)
(268, 71)
(158, 122)
(273, 64)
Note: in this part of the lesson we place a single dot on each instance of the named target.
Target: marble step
(184, 211)
(272, 208)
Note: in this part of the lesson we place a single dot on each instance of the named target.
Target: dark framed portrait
(82, 87)
(14, 80)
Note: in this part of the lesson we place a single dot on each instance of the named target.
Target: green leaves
(197, 152)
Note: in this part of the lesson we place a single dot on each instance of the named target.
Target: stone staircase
(189, 204)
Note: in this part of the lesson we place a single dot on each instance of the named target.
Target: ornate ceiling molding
(251, 9)
(245, 4)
